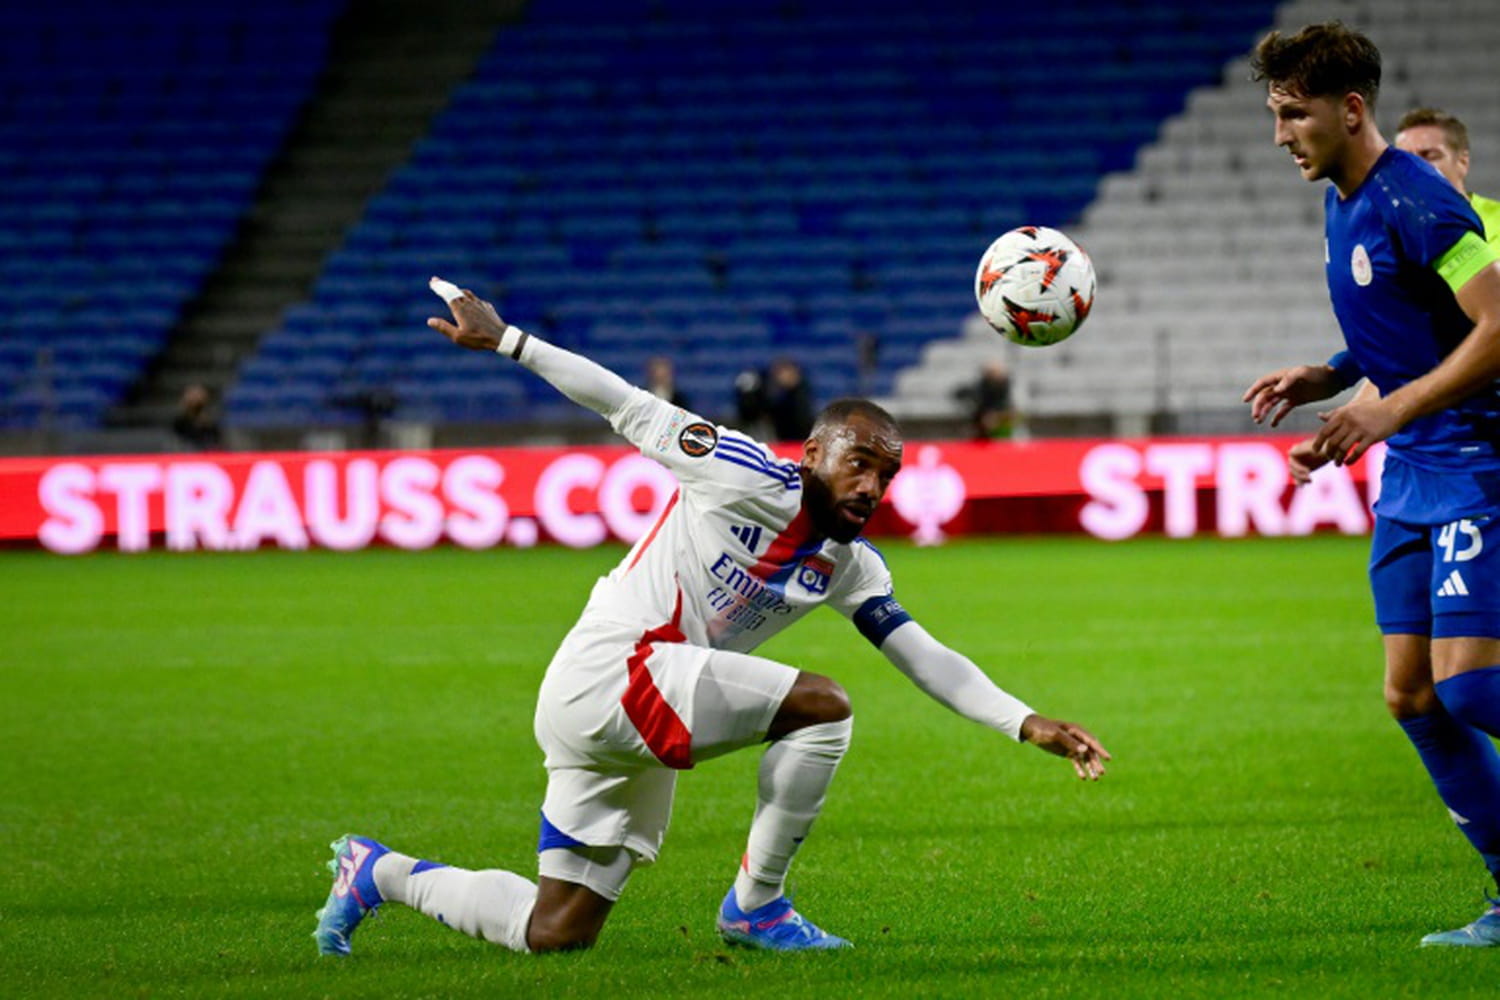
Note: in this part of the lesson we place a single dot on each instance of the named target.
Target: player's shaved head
(836, 416)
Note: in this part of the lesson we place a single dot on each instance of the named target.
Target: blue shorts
(1438, 580)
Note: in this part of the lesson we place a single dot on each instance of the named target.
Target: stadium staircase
(1209, 250)
(391, 65)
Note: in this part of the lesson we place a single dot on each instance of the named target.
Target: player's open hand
(1067, 739)
(1350, 430)
(478, 326)
(1282, 391)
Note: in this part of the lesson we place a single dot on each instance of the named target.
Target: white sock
(492, 904)
(794, 777)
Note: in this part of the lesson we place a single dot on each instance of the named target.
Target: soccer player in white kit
(658, 673)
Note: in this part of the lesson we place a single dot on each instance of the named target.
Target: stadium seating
(659, 176)
(133, 139)
(727, 187)
(1209, 249)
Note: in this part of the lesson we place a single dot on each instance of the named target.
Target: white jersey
(733, 559)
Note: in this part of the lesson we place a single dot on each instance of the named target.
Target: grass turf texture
(184, 734)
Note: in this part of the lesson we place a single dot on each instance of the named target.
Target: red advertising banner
(584, 496)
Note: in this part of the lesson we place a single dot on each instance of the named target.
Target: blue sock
(1465, 769)
(1473, 697)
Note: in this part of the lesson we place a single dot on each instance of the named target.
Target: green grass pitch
(183, 735)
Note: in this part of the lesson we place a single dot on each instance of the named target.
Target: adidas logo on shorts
(1454, 586)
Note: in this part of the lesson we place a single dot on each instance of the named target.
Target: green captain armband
(1466, 258)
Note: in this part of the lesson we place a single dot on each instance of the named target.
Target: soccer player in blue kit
(1417, 294)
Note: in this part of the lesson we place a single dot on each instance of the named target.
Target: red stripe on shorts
(657, 721)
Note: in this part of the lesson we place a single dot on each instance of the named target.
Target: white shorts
(618, 715)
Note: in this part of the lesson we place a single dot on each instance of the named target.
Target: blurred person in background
(1443, 141)
(779, 398)
(661, 382)
(867, 367)
(789, 401)
(196, 423)
(991, 413)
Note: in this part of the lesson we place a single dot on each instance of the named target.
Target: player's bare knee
(551, 935)
(813, 700)
(836, 706)
(822, 699)
(541, 944)
(568, 914)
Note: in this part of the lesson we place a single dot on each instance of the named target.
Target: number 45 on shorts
(1460, 540)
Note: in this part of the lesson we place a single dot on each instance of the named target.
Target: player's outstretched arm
(477, 326)
(953, 680)
(1280, 392)
(1070, 740)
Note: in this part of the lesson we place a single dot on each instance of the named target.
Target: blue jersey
(1400, 320)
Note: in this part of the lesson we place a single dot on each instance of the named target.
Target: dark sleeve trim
(879, 617)
(515, 353)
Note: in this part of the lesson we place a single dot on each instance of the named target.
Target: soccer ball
(1035, 286)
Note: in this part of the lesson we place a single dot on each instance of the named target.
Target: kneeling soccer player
(658, 675)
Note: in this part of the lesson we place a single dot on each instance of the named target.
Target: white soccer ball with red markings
(1035, 286)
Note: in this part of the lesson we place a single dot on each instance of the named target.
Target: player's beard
(822, 509)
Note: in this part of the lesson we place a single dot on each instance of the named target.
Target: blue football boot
(353, 896)
(1482, 933)
(773, 927)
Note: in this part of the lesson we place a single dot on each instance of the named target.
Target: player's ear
(812, 448)
(1354, 110)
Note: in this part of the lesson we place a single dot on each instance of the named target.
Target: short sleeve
(866, 595)
(1431, 217)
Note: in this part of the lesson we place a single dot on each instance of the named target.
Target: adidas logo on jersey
(1454, 586)
(748, 534)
